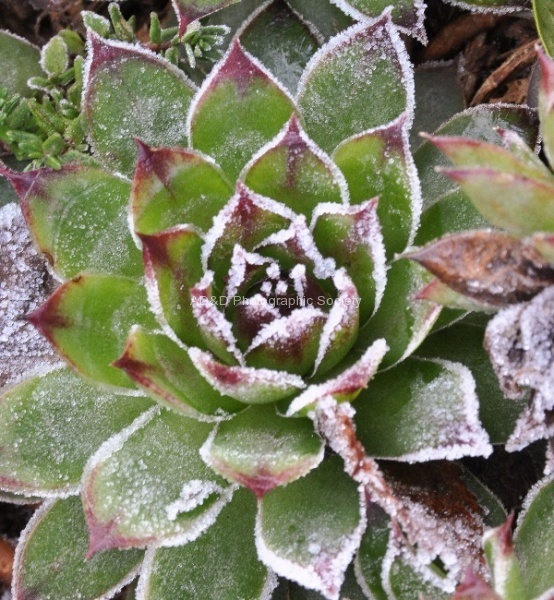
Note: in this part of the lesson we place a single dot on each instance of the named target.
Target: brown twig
(523, 57)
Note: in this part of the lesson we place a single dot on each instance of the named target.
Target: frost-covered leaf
(463, 343)
(502, 560)
(20, 61)
(294, 171)
(191, 10)
(407, 14)
(322, 16)
(379, 163)
(51, 424)
(166, 373)
(449, 213)
(149, 484)
(221, 564)
(282, 41)
(534, 542)
(368, 61)
(440, 293)
(239, 108)
(474, 587)
(481, 123)
(68, 210)
(352, 236)
(544, 21)
(488, 266)
(402, 320)
(172, 267)
(344, 387)
(246, 384)
(518, 341)
(24, 284)
(261, 450)
(421, 410)
(54, 56)
(546, 94)
(495, 6)
(309, 530)
(130, 92)
(55, 542)
(87, 320)
(172, 186)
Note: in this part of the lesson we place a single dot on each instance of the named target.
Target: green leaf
(166, 373)
(323, 17)
(281, 41)
(534, 542)
(402, 319)
(481, 123)
(221, 564)
(148, 484)
(261, 450)
(546, 103)
(543, 10)
(239, 108)
(421, 410)
(173, 187)
(20, 61)
(464, 344)
(407, 14)
(87, 320)
(352, 236)
(191, 10)
(173, 266)
(51, 424)
(78, 215)
(379, 163)
(366, 62)
(294, 171)
(497, 6)
(131, 92)
(309, 530)
(406, 583)
(55, 542)
(450, 213)
(54, 56)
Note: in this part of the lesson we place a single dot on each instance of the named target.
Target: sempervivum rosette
(220, 339)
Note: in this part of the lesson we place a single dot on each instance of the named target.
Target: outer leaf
(544, 20)
(67, 420)
(191, 10)
(55, 542)
(366, 61)
(464, 344)
(401, 319)
(172, 267)
(220, 564)
(407, 14)
(309, 530)
(238, 109)
(78, 215)
(149, 484)
(25, 283)
(87, 320)
(261, 450)
(534, 542)
(352, 236)
(294, 171)
(546, 93)
(379, 163)
(421, 410)
(480, 122)
(172, 186)
(324, 18)
(165, 372)
(132, 92)
(404, 582)
(496, 6)
(281, 41)
(20, 61)
(489, 267)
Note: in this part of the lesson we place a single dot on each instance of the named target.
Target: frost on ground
(24, 284)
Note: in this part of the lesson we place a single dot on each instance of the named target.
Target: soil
(495, 58)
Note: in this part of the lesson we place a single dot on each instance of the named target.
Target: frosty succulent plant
(227, 288)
